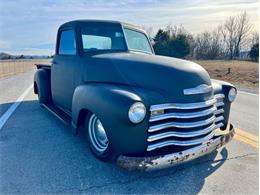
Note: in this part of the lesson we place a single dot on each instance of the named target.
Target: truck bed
(44, 66)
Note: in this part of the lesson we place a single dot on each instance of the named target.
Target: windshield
(112, 38)
(137, 41)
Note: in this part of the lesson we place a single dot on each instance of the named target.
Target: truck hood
(164, 75)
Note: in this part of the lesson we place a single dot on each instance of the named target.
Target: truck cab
(142, 110)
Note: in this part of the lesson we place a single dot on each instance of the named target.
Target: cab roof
(76, 23)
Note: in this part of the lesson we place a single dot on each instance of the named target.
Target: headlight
(232, 94)
(137, 112)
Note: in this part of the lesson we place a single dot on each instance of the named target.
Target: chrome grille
(184, 124)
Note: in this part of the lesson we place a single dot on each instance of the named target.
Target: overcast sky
(30, 26)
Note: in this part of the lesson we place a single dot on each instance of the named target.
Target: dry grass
(242, 73)
(11, 67)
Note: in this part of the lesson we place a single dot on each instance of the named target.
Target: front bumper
(165, 161)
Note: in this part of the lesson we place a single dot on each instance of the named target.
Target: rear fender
(42, 85)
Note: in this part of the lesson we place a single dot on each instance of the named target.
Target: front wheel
(98, 140)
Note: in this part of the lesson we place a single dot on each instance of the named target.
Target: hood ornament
(200, 89)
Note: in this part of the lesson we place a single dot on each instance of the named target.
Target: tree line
(233, 39)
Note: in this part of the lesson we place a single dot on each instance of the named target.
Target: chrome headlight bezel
(137, 112)
(232, 94)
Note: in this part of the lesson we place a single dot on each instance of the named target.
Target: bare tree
(254, 38)
(243, 27)
(202, 45)
(216, 44)
(250, 39)
(234, 32)
(192, 44)
(174, 31)
(208, 45)
(228, 31)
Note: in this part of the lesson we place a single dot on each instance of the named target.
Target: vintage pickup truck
(139, 109)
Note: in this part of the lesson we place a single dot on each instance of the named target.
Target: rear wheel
(97, 139)
(43, 94)
(40, 98)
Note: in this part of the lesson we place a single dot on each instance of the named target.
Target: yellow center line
(247, 138)
(247, 141)
(248, 135)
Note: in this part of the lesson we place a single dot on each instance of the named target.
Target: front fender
(111, 104)
(223, 87)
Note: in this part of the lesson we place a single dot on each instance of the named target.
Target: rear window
(98, 38)
(94, 42)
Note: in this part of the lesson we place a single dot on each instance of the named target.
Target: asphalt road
(39, 154)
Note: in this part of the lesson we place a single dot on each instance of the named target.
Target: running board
(63, 116)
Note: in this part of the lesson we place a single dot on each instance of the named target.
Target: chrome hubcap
(97, 134)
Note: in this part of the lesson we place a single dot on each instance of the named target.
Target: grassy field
(243, 74)
(11, 67)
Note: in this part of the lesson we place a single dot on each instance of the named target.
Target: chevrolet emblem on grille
(200, 89)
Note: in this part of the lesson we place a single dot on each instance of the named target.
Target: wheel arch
(95, 98)
(111, 103)
(83, 113)
(42, 85)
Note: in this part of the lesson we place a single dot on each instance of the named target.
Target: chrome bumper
(165, 161)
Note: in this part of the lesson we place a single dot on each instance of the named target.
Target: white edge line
(13, 107)
(248, 93)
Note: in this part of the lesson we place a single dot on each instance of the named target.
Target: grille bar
(183, 106)
(183, 134)
(180, 143)
(186, 115)
(219, 96)
(182, 125)
(219, 111)
(218, 119)
(220, 104)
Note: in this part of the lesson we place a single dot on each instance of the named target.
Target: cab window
(67, 43)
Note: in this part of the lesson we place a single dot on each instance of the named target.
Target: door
(63, 70)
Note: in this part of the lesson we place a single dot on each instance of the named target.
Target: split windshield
(137, 41)
(113, 38)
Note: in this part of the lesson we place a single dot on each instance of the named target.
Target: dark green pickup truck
(143, 110)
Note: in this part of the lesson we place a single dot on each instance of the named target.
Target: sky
(29, 26)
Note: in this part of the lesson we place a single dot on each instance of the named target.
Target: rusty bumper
(160, 162)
